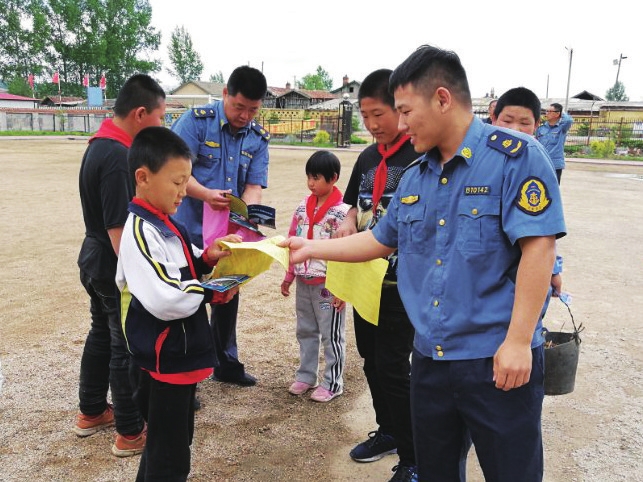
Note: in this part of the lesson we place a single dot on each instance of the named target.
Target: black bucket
(561, 359)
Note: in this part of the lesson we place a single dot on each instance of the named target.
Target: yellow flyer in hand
(251, 258)
(359, 284)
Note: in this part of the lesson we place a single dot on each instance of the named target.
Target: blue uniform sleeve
(532, 204)
(258, 167)
(566, 122)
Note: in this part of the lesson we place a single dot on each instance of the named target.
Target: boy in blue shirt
(163, 303)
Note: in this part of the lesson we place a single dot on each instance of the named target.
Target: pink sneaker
(299, 388)
(322, 394)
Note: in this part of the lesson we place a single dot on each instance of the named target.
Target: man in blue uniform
(552, 135)
(475, 222)
(230, 156)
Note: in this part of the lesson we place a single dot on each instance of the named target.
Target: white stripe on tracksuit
(318, 320)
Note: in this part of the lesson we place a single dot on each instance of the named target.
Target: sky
(502, 44)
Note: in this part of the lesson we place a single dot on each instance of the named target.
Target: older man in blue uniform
(552, 134)
(474, 221)
(230, 156)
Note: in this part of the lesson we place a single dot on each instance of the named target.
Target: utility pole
(569, 74)
(618, 62)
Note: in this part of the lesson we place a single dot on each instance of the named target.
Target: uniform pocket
(479, 225)
(205, 167)
(413, 235)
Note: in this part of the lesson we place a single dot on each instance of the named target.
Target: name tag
(476, 190)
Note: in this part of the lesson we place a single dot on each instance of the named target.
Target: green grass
(45, 133)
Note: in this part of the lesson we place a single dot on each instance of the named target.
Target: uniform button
(438, 347)
(231, 158)
(438, 262)
(436, 303)
(440, 353)
(229, 179)
(210, 156)
(474, 211)
(444, 180)
(442, 222)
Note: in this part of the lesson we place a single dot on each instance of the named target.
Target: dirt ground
(263, 433)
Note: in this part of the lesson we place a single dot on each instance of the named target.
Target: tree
(186, 62)
(617, 93)
(24, 37)
(319, 81)
(218, 78)
(19, 86)
(76, 38)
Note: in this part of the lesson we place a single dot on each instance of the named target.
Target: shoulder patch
(204, 112)
(506, 143)
(259, 128)
(532, 197)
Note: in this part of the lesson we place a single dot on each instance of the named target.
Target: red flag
(30, 80)
(86, 80)
(103, 82)
(56, 78)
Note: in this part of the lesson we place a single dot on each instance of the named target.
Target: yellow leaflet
(359, 284)
(251, 258)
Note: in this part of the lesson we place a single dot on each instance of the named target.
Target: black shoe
(246, 380)
(404, 473)
(377, 446)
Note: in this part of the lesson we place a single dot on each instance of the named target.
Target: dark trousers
(223, 322)
(386, 350)
(169, 412)
(105, 360)
(559, 174)
(455, 403)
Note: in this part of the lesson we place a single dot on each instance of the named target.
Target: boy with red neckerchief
(385, 348)
(319, 314)
(165, 321)
(105, 190)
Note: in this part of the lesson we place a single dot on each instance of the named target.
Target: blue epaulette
(204, 112)
(259, 128)
(506, 143)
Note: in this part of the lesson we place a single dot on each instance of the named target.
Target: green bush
(321, 138)
(571, 150)
(583, 129)
(357, 140)
(603, 149)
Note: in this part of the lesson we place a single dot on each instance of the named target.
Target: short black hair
(431, 67)
(375, 86)
(557, 107)
(248, 81)
(139, 90)
(520, 97)
(153, 147)
(323, 163)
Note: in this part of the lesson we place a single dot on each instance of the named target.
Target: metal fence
(297, 128)
(625, 134)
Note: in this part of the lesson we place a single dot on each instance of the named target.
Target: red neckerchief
(109, 130)
(379, 184)
(314, 217)
(166, 220)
